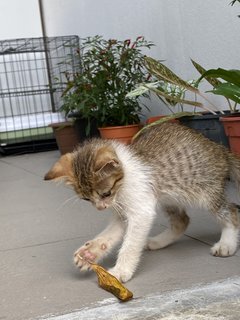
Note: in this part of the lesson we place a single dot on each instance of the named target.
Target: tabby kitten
(169, 165)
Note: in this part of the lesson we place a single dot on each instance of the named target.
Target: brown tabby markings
(169, 163)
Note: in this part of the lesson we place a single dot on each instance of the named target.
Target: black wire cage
(32, 76)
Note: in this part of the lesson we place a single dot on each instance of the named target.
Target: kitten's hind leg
(229, 218)
(179, 221)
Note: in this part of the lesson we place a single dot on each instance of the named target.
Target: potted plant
(171, 90)
(78, 100)
(65, 136)
(109, 70)
(208, 123)
(230, 89)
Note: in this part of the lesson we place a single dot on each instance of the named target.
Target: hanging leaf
(141, 89)
(213, 81)
(176, 99)
(163, 73)
(176, 115)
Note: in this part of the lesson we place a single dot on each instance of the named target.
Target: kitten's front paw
(123, 275)
(92, 251)
(221, 249)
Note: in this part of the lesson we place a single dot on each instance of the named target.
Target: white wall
(207, 31)
(19, 19)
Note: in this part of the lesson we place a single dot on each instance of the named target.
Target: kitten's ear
(106, 161)
(61, 169)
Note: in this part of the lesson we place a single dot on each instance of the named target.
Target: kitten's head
(94, 170)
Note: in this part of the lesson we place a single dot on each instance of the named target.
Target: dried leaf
(163, 73)
(110, 283)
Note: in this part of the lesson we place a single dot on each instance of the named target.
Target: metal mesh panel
(32, 76)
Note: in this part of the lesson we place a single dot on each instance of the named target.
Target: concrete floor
(42, 224)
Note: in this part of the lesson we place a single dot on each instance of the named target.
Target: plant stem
(235, 106)
(230, 106)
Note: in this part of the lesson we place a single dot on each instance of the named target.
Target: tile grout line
(18, 167)
(38, 245)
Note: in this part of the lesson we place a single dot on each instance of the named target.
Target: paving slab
(42, 224)
(41, 280)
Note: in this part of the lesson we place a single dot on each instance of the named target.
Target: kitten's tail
(234, 166)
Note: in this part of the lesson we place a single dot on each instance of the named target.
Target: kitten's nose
(101, 205)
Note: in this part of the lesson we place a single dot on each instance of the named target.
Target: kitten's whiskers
(75, 198)
(118, 208)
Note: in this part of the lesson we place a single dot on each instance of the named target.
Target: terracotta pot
(65, 135)
(232, 129)
(153, 119)
(120, 133)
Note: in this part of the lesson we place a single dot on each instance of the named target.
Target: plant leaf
(232, 76)
(228, 90)
(137, 92)
(163, 73)
(176, 115)
(165, 119)
(213, 81)
(174, 98)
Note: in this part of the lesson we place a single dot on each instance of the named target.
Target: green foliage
(230, 89)
(109, 70)
(232, 76)
(170, 88)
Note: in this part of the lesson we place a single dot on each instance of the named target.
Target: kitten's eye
(106, 194)
(86, 199)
